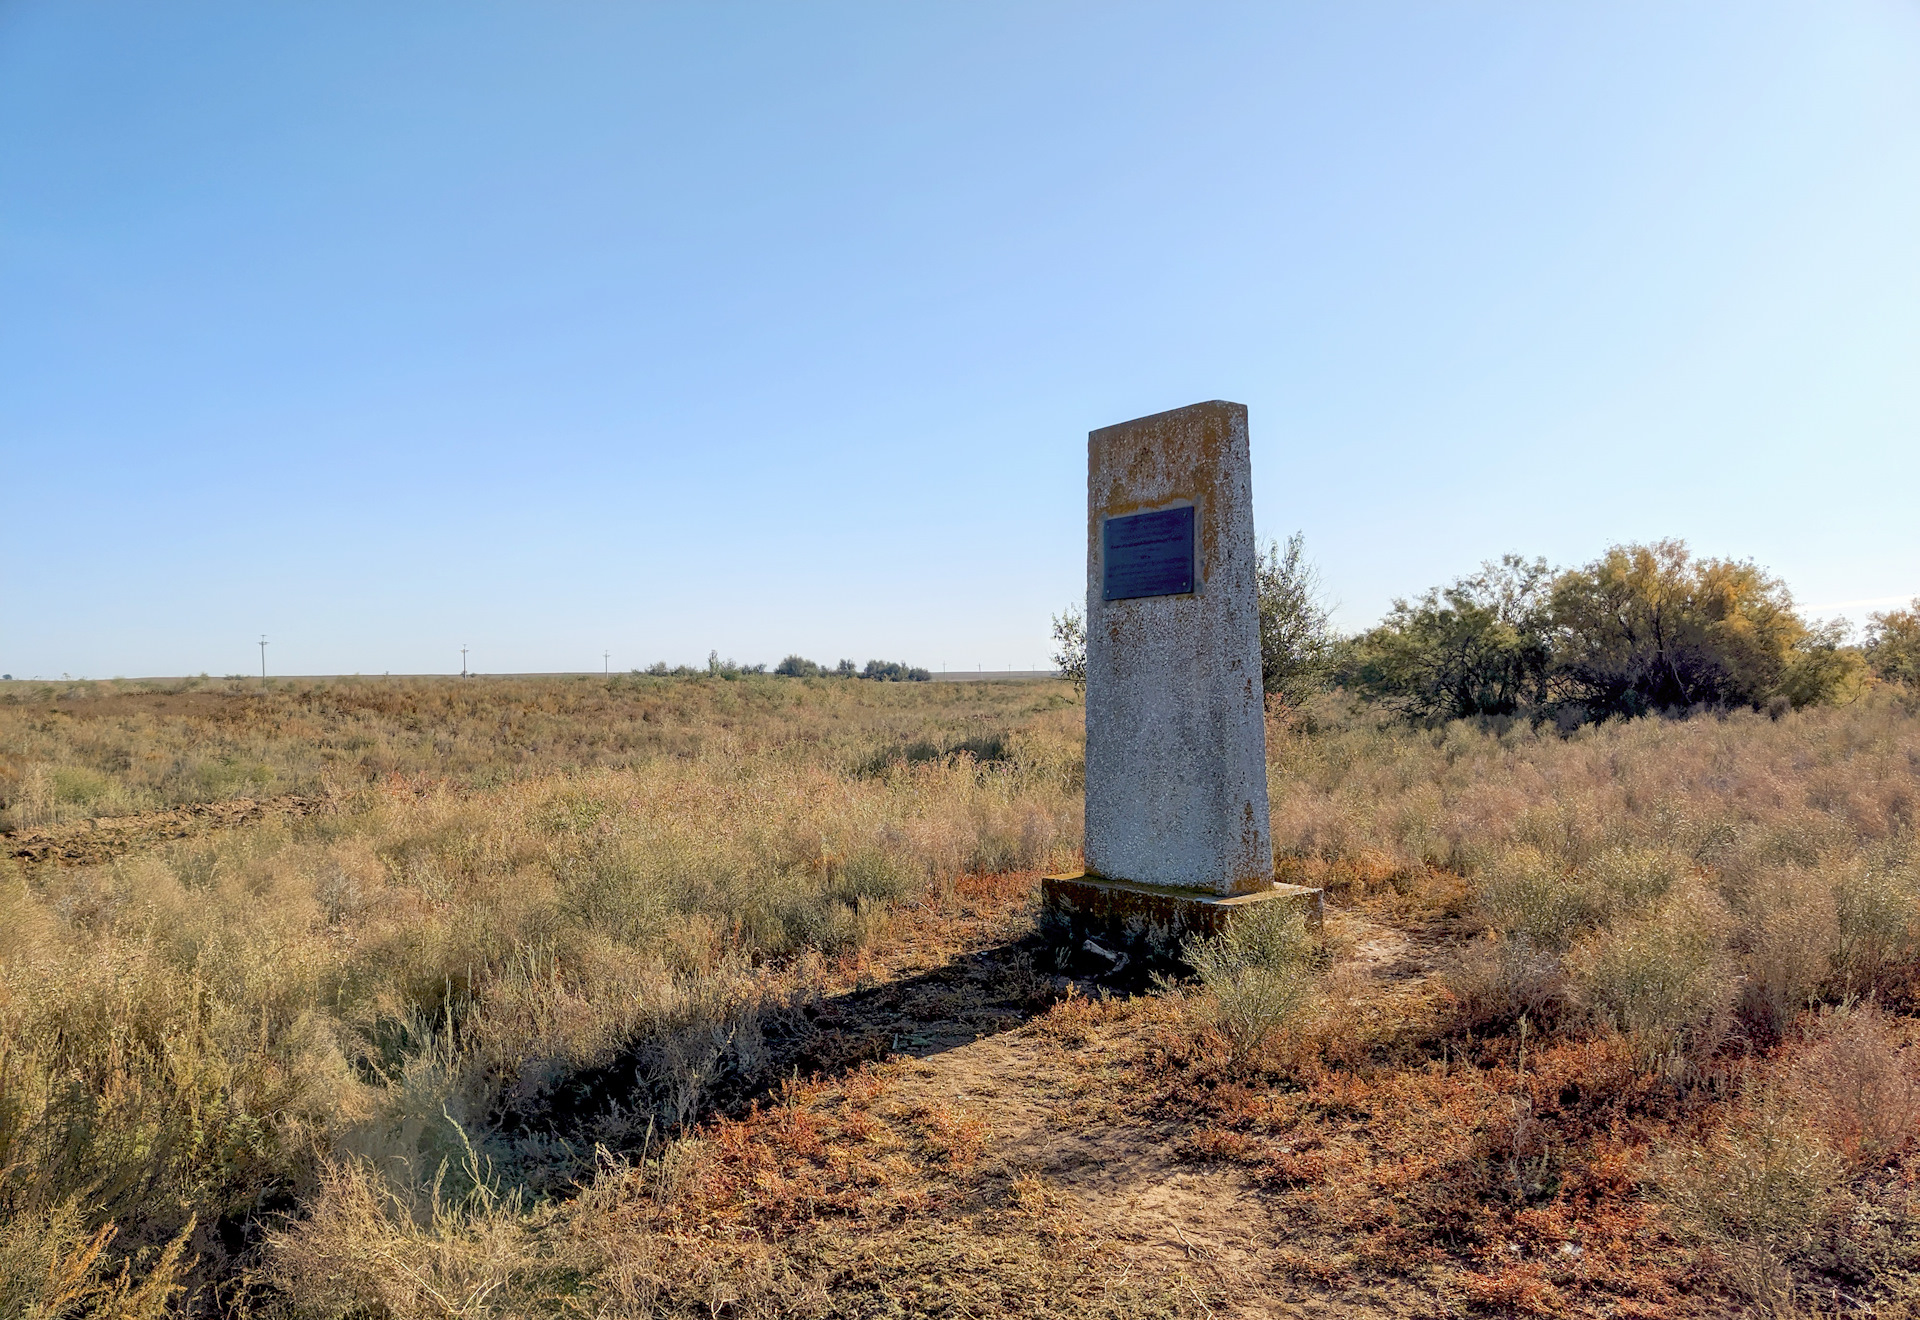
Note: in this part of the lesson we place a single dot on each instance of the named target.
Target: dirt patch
(937, 1072)
(1064, 1118)
(1045, 1135)
(90, 842)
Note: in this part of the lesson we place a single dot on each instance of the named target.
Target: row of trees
(795, 666)
(1643, 629)
(880, 671)
(714, 668)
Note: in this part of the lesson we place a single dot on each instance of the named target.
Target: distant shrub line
(794, 666)
(880, 671)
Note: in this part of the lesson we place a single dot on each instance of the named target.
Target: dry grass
(1540, 1175)
(74, 750)
(826, 1204)
(1641, 873)
(576, 1025)
(456, 979)
(1665, 1066)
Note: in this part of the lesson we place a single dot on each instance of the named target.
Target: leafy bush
(1648, 627)
(1070, 646)
(1893, 644)
(1297, 642)
(1642, 629)
(1823, 669)
(892, 671)
(797, 666)
(1481, 646)
(730, 668)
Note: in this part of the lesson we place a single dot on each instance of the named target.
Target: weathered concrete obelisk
(1177, 832)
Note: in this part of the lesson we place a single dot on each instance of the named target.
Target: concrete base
(1151, 920)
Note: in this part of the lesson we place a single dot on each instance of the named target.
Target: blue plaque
(1149, 554)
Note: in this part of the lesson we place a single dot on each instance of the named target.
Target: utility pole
(463, 660)
(263, 659)
(606, 662)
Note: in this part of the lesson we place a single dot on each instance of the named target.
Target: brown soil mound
(90, 842)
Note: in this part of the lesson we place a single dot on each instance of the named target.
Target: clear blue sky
(555, 329)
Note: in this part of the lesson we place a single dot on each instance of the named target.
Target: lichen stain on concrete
(1176, 464)
(1250, 830)
(1154, 920)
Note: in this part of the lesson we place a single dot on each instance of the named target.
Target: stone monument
(1177, 833)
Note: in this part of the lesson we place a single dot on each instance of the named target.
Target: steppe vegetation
(522, 883)
(72, 751)
(657, 995)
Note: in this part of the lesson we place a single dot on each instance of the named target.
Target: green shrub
(1529, 894)
(1070, 646)
(1649, 627)
(1822, 670)
(1258, 974)
(1893, 644)
(77, 786)
(1877, 914)
(1481, 646)
(1645, 628)
(1297, 642)
(1664, 981)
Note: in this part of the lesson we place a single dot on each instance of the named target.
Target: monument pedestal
(1152, 920)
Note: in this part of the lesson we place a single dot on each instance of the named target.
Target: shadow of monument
(683, 1074)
